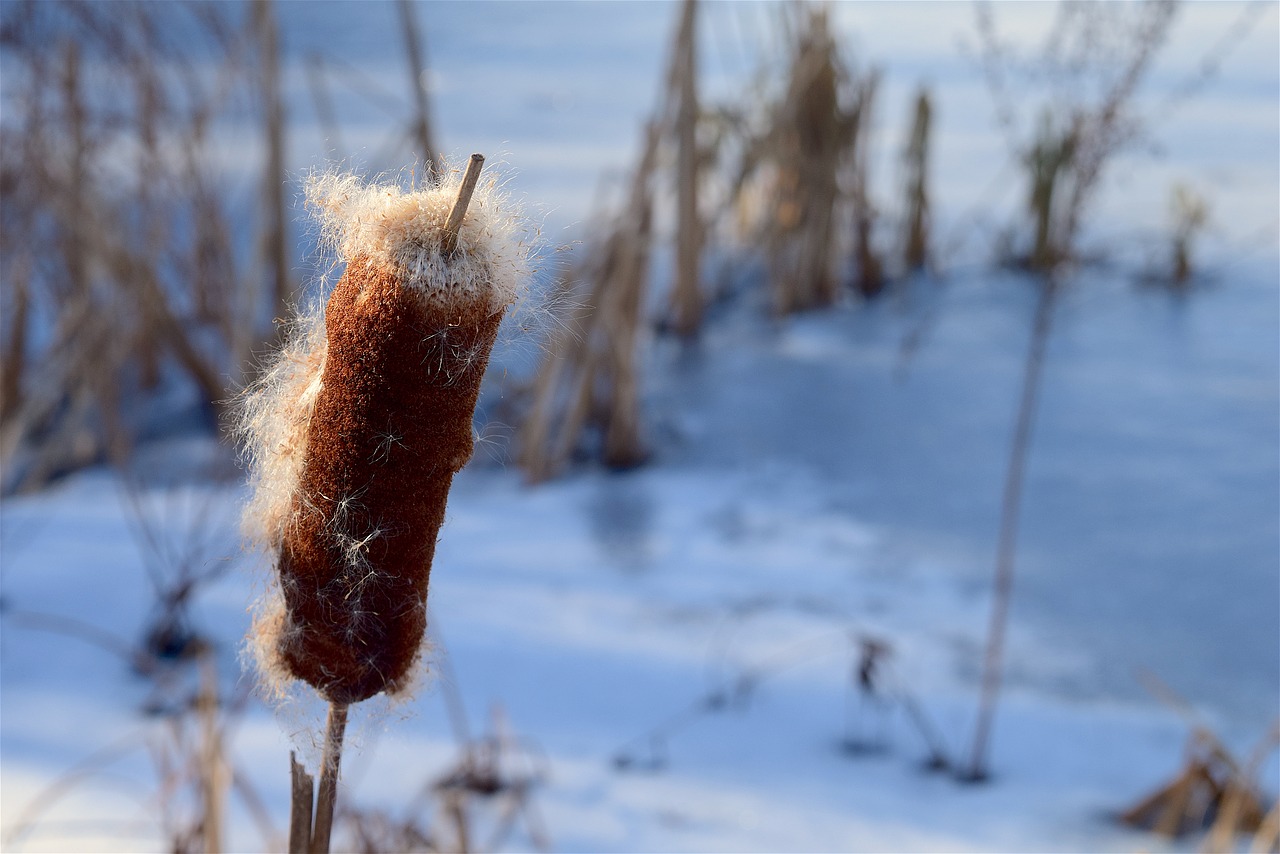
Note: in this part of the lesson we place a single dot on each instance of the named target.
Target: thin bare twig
(1010, 507)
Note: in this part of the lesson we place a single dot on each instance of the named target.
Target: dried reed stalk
(15, 345)
(807, 144)
(1007, 550)
(1051, 165)
(275, 248)
(1190, 212)
(1211, 789)
(623, 320)
(214, 774)
(687, 291)
(915, 242)
(1266, 840)
(564, 354)
(414, 53)
(590, 377)
(1065, 160)
(870, 281)
(589, 374)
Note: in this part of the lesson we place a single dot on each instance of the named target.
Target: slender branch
(329, 778)
(454, 224)
(1010, 508)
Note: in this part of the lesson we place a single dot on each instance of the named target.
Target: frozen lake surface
(1151, 517)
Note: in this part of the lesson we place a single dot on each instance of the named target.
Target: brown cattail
(358, 427)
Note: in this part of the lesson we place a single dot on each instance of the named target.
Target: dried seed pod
(368, 446)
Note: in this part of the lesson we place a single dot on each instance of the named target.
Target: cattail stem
(454, 224)
(329, 778)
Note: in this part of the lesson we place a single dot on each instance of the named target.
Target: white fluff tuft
(383, 224)
(274, 420)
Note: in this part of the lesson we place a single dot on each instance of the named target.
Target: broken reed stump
(302, 800)
(358, 428)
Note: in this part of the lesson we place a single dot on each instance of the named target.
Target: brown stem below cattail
(454, 224)
(337, 726)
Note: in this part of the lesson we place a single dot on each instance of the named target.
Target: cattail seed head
(358, 427)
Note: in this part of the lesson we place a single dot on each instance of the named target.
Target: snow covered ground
(598, 611)
(678, 642)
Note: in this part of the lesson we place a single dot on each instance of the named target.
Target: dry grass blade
(1212, 789)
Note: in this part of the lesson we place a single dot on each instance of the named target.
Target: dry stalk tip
(454, 224)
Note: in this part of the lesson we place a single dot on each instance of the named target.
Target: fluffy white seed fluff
(386, 225)
(274, 420)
